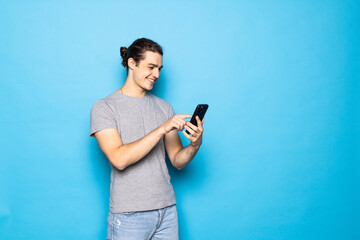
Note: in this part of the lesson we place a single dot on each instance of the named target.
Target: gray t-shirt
(144, 185)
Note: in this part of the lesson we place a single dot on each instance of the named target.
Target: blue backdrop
(280, 156)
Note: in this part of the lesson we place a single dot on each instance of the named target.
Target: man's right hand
(177, 122)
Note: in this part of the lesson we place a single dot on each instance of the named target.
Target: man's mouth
(151, 80)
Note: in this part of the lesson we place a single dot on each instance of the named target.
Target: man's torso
(144, 185)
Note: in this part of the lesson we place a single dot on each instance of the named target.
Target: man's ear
(131, 63)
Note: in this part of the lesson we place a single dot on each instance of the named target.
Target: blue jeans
(156, 224)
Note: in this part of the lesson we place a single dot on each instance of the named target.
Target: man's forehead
(152, 55)
(153, 58)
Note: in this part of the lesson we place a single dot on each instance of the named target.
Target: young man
(133, 128)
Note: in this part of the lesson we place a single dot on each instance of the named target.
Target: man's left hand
(195, 131)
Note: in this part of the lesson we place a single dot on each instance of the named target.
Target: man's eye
(151, 68)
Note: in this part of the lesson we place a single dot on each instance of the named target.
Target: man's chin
(149, 88)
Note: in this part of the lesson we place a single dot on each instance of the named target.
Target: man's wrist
(195, 146)
(161, 130)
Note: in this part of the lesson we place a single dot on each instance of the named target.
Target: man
(133, 128)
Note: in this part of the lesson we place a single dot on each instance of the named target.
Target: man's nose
(157, 73)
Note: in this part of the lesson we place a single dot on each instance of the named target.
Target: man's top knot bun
(123, 53)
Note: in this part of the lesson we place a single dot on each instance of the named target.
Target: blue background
(280, 156)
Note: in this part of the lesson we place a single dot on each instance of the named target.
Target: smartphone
(200, 111)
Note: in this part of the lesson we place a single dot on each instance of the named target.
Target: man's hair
(137, 50)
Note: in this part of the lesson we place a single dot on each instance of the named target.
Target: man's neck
(131, 89)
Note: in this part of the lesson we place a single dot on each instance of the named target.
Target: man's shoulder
(109, 99)
(107, 102)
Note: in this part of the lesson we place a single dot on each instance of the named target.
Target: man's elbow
(118, 161)
(120, 166)
(180, 168)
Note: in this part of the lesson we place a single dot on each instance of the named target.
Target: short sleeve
(101, 117)
(171, 112)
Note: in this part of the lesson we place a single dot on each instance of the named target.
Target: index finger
(183, 116)
(199, 122)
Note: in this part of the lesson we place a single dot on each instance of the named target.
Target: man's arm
(178, 155)
(123, 155)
